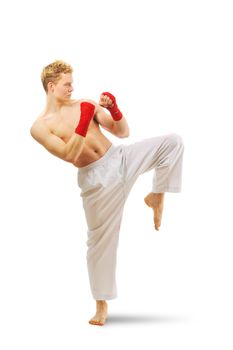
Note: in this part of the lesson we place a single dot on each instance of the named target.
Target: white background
(169, 64)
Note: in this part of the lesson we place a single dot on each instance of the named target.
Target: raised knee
(175, 140)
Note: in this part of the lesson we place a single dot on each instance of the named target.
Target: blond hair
(53, 71)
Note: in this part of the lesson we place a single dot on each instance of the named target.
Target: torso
(63, 124)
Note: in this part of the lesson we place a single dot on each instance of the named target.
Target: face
(62, 90)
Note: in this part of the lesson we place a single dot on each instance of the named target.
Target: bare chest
(63, 126)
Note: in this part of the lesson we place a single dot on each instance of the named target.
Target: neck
(53, 105)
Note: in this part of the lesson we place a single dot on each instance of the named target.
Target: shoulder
(43, 116)
(97, 106)
(76, 103)
(87, 100)
(39, 128)
(41, 120)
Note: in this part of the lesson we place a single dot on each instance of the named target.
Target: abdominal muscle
(95, 146)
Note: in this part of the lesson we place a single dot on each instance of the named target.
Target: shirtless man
(70, 130)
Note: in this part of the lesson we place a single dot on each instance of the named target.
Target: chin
(66, 98)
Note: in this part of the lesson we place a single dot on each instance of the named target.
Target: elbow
(68, 156)
(75, 158)
(69, 159)
(122, 136)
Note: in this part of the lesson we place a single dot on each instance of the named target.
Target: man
(70, 130)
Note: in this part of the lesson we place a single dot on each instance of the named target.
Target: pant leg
(103, 202)
(164, 154)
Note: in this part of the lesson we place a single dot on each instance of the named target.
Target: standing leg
(103, 202)
(104, 213)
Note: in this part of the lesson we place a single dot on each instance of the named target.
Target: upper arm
(42, 134)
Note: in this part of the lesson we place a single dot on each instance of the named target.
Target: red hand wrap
(87, 112)
(114, 110)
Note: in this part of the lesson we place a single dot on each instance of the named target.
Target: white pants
(106, 184)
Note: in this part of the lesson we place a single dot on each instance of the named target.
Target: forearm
(121, 127)
(75, 145)
(74, 148)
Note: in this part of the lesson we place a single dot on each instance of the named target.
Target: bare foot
(155, 201)
(101, 313)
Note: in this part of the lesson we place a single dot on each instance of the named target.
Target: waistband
(100, 161)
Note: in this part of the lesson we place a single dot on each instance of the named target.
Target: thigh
(143, 156)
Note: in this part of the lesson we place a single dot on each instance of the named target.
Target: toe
(96, 323)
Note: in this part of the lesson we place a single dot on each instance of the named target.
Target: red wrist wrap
(87, 112)
(114, 110)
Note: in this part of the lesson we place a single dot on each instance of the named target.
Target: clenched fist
(108, 101)
(105, 101)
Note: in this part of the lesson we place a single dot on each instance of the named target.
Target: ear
(50, 86)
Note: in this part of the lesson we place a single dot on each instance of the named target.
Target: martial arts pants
(105, 185)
